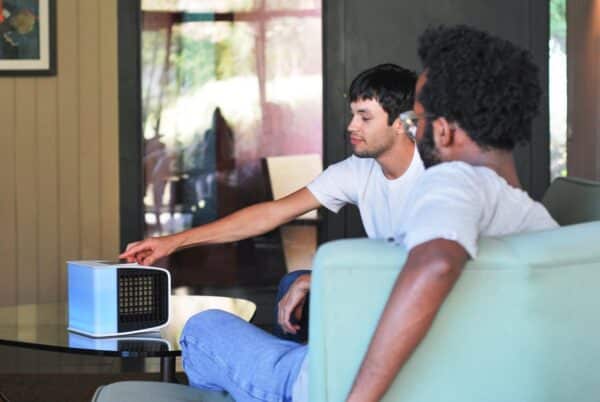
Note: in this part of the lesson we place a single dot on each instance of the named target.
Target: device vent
(143, 298)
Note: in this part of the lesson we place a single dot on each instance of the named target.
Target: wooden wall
(59, 158)
(583, 81)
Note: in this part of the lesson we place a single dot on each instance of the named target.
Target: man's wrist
(303, 281)
(178, 240)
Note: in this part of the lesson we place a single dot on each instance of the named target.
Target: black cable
(4, 398)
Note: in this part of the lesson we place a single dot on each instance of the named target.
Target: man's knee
(201, 325)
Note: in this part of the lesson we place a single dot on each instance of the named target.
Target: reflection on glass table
(44, 327)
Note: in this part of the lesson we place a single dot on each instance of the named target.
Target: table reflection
(44, 326)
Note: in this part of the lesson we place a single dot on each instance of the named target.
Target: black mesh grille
(143, 297)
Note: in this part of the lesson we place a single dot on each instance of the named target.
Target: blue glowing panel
(92, 299)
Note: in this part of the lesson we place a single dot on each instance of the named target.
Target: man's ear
(398, 126)
(443, 132)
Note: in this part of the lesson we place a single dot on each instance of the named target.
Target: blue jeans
(302, 335)
(222, 352)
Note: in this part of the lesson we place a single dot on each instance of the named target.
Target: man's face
(424, 136)
(369, 132)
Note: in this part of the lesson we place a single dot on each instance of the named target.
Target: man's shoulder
(453, 173)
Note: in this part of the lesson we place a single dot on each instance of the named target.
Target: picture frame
(27, 37)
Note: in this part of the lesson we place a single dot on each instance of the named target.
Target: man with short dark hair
(383, 168)
(377, 178)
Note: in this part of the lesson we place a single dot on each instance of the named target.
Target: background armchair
(287, 174)
(572, 200)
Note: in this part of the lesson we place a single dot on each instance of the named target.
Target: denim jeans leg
(285, 283)
(221, 351)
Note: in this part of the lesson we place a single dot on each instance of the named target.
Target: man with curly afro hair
(475, 100)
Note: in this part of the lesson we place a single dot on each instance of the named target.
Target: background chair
(571, 200)
(287, 174)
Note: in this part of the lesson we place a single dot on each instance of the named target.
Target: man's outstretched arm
(429, 274)
(247, 222)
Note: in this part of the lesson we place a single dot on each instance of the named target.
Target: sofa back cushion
(521, 324)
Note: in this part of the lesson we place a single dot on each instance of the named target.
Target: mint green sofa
(521, 325)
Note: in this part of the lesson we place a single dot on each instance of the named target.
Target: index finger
(133, 244)
(133, 249)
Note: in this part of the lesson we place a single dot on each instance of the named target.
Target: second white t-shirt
(460, 202)
(360, 181)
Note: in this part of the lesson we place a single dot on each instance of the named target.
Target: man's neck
(500, 161)
(397, 160)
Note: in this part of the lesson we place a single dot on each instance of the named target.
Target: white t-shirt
(360, 181)
(381, 202)
(460, 202)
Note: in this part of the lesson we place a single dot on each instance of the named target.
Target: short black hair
(389, 84)
(486, 84)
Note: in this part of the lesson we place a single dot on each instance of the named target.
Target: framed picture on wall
(27, 37)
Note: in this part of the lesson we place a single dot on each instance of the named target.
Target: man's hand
(147, 251)
(293, 303)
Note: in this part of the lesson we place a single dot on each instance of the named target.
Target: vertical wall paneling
(59, 166)
(89, 129)
(59, 158)
(109, 138)
(8, 200)
(47, 202)
(68, 137)
(26, 190)
(583, 87)
(27, 214)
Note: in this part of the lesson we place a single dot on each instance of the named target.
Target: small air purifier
(111, 298)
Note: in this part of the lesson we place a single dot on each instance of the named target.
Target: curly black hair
(486, 84)
(389, 84)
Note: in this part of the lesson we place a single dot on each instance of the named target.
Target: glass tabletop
(44, 327)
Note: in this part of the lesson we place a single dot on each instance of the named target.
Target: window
(225, 84)
(558, 88)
